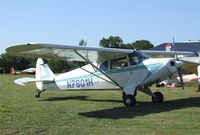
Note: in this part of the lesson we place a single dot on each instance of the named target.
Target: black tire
(37, 94)
(129, 100)
(158, 97)
(123, 94)
(162, 85)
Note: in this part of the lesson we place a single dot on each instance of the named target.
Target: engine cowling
(173, 65)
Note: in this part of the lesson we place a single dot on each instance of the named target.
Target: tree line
(57, 65)
(117, 42)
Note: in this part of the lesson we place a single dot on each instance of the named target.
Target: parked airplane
(29, 71)
(25, 71)
(175, 81)
(108, 68)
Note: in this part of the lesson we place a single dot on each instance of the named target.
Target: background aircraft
(175, 81)
(108, 68)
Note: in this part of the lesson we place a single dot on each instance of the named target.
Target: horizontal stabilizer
(23, 81)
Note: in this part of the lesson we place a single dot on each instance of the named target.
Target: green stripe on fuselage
(152, 68)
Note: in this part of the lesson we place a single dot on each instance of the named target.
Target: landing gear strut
(158, 97)
(37, 93)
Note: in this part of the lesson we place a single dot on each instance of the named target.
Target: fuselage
(145, 72)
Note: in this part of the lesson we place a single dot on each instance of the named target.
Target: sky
(69, 21)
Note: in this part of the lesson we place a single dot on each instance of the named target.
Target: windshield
(136, 58)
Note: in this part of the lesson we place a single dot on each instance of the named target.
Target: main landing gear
(130, 100)
(158, 97)
(37, 93)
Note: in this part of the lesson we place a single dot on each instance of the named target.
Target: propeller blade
(178, 65)
(181, 77)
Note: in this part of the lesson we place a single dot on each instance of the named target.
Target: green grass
(96, 112)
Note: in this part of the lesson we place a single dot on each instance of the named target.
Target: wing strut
(89, 62)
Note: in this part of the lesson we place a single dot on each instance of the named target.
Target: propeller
(179, 68)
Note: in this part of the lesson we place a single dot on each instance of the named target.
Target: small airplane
(107, 68)
(25, 71)
(174, 81)
(29, 71)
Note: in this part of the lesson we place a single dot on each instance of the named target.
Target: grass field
(96, 112)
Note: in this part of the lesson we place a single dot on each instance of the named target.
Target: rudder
(43, 72)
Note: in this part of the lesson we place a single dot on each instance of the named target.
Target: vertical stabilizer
(43, 72)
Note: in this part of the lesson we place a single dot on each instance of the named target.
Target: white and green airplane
(107, 68)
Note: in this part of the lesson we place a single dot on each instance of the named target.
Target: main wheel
(129, 100)
(158, 97)
(123, 94)
(37, 93)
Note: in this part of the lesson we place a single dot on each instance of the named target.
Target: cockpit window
(104, 66)
(131, 59)
(136, 58)
(118, 63)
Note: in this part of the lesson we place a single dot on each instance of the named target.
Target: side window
(118, 63)
(134, 60)
(104, 66)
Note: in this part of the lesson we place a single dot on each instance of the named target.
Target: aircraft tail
(43, 73)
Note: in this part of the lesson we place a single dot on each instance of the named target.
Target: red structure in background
(12, 70)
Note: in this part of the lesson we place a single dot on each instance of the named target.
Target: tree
(111, 42)
(7, 61)
(82, 42)
(142, 45)
(127, 46)
(58, 65)
(117, 42)
(20, 63)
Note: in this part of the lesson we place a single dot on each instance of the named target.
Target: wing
(76, 53)
(195, 60)
(69, 53)
(152, 52)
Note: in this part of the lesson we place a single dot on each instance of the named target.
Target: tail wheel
(37, 93)
(158, 98)
(129, 100)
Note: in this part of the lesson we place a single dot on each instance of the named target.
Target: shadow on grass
(101, 100)
(84, 98)
(64, 98)
(143, 108)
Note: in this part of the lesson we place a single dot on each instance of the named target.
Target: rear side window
(104, 66)
(118, 63)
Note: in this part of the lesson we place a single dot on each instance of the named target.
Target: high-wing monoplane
(107, 68)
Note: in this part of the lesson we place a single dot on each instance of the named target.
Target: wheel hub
(128, 101)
